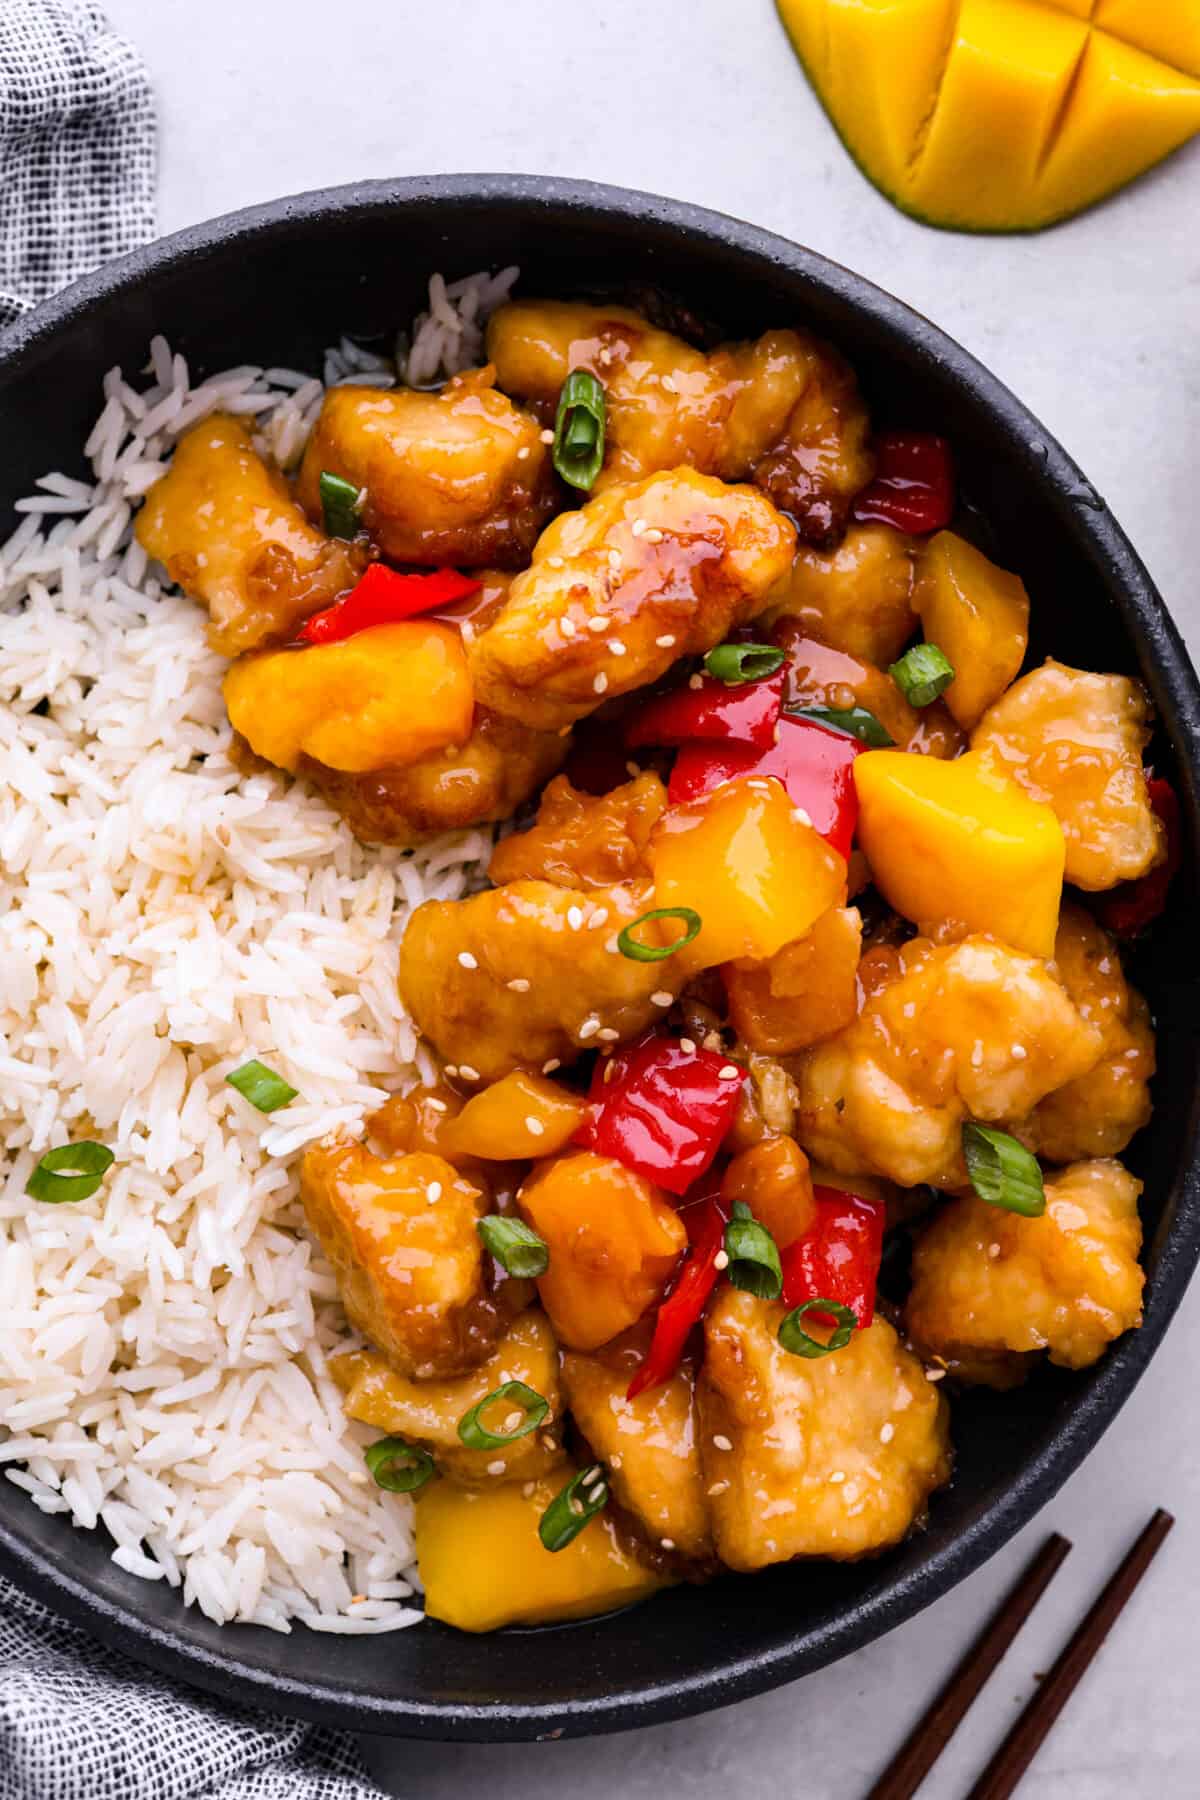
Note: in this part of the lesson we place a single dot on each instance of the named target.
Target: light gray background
(1094, 326)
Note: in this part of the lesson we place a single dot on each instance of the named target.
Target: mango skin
(950, 844)
(1002, 115)
(483, 1564)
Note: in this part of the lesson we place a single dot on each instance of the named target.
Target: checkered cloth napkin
(78, 1721)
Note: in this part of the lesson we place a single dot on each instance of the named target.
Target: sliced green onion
(399, 1467)
(261, 1086)
(1003, 1172)
(922, 674)
(753, 1257)
(579, 429)
(72, 1172)
(534, 1406)
(515, 1245)
(735, 664)
(569, 1512)
(796, 1340)
(339, 505)
(856, 721)
(628, 945)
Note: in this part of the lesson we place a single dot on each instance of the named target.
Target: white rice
(163, 918)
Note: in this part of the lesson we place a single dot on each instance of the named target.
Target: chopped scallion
(533, 1407)
(922, 674)
(1003, 1172)
(72, 1172)
(629, 946)
(736, 664)
(570, 1510)
(399, 1467)
(753, 1256)
(261, 1086)
(578, 451)
(855, 721)
(339, 505)
(515, 1245)
(793, 1337)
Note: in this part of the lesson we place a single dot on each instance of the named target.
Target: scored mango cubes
(1002, 115)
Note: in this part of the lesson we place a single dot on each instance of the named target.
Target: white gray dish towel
(79, 1721)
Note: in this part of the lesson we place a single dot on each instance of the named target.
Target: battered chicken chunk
(1074, 741)
(1097, 1114)
(617, 592)
(523, 974)
(974, 1030)
(857, 598)
(460, 476)
(400, 1233)
(833, 1456)
(989, 1283)
(429, 1412)
(783, 410)
(649, 1444)
(224, 526)
(585, 840)
(819, 675)
(486, 779)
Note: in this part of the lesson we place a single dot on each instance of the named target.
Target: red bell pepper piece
(839, 1255)
(913, 487)
(661, 1110)
(382, 597)
(1134, 905)
(681, 1310)
(745, 714)
(814, 764)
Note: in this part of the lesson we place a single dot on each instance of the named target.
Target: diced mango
(521, 1116)
(385, 696)
(949, 843)
(806, 991)
(979, 615)
(613, 1241)
(774, 1180)
(756, 873)
(483, 1564)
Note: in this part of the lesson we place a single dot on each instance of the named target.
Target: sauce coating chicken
(226, 529)
(783, 411)
(819, 675)
(1075, 740)
(460, 476)
(584, 840)
(989, 1284)
(834, 1456)
(528, 974)
(617, 592)
(857, 598)
(970, 1031)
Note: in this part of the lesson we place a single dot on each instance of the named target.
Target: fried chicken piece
(523, 974)
(834, 1456)
(400, 1233)
(783, 410)
(805, 992)
(1074, 741)
(821, 676)
(224, 526)
(585, 840)
(989, 1285)
(857, 598)
(617, 592)
(460, 476)
(971, 1031)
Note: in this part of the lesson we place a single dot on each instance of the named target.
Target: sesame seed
(614, 559)
(668, 382)
(993, 1251)
(730, 1072)
(528, 1489)
(695, 681)
(467, 1072)
(514, 1418)
(519, 985)
(548, 1068)
(666, 641)
(597, 918)
(633, 770)
(1020, 1052)
(616, 646)
(800, 816)
(837, 1476)
(497, 1467)
(598, 623)
(977, 1056)
(523, 452)
(589, 1028)
(721, 1259)
(608, 1035)
(654, 536)
(568, 627)
(667, 1543)
(547, 436)
(639, 525)
(718, 1487)
(712, 1040)
(435, 1105)
(576, 1506)
(451, 1070)
(612, 946)
(467, 960)
(555, 562)
(534, 1126)
(614, 1462)
(600, 683)
(662, 998)
(688, 1044)
(935, 1374)
(548, 1442)
(721, 1442)
(887, 1432)
(575, 917)
(433, 1192)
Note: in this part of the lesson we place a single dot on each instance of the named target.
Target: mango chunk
(755, 871)
(517, 1118)
(388, 695)
(1002, 115)
(805, 992)
(979, 615)
(950, 844)
(483, 1564)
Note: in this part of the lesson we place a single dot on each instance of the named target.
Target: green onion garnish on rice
(72, 1172)
(398, 1466)
(261, 1086)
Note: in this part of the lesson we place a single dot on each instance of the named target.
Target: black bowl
(274, 285)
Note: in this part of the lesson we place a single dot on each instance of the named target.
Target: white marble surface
(1094, 325)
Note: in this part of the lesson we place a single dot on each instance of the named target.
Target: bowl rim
(1168, 670)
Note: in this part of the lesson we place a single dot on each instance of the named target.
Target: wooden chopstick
(929, 1737)
(1015, 1754)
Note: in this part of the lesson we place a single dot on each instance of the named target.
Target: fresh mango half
(1002, 115)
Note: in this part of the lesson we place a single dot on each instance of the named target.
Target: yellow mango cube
(756, 872)
(519, 1117)
(979, 615)
(386, 696)
(483, 1564)
(949, 843)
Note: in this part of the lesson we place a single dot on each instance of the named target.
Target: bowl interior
(277, 285)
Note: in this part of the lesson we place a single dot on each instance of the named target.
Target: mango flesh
(1002, 115)
(483, 1564)
(949, 845)
(979, 615)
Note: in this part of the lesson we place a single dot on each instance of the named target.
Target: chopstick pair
(932, 1733)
